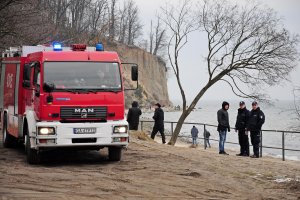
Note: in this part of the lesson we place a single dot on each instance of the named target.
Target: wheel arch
(31, 122)
(25, 127)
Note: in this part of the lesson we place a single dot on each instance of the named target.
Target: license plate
(84, 130)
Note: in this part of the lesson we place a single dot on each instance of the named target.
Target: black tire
(32, 155)
(114, 153)
(8, 140)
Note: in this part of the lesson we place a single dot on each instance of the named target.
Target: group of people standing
(133, 120)
(246, 121)
(206, 135)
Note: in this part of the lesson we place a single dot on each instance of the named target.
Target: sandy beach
(148, 170)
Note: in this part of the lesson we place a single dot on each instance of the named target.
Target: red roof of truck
(103, 56)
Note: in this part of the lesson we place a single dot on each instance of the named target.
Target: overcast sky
(193, 78)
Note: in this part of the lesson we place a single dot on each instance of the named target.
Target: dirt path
(148, 170)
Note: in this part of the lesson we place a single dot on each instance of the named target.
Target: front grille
(83, 113)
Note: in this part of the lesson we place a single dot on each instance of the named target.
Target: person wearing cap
(223, 126)
(133, 117)
(158, 123)
(240, 127)
(255, 122)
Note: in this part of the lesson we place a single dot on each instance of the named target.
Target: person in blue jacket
(194, 133)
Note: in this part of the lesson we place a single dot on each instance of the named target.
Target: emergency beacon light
(57, 46)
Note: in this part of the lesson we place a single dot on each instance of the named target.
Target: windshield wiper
(115, 90)
(82, 90)
(66, 90)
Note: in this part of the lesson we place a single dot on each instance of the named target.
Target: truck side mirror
(134, 73)
(48, 87)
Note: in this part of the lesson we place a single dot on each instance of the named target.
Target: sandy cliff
(152, 75)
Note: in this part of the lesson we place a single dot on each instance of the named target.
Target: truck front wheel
(114, 153)
(8, 140)
(32, 154)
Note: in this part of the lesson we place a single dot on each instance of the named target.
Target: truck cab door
(31, 85)
(36, 88)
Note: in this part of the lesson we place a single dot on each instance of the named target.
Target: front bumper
(65, 137)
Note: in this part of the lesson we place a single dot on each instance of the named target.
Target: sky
(193, 78)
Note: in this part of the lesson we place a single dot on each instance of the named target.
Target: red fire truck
(61, 97)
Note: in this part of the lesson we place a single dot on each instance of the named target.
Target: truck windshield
(83, 75)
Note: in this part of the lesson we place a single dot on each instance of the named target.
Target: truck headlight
(46, 130)
(120, 129)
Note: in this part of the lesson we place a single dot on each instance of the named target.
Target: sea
(280, 117)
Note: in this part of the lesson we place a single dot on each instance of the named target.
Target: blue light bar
(99, 47)
(57, 46)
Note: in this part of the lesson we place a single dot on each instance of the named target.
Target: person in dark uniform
(133, 117)
(158, 123)
(255, 122)
(240, 127)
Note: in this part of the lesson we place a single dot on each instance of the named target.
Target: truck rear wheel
(114, 153)
(8, 140)
(32, 154)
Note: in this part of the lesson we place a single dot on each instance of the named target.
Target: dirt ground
(148, 170)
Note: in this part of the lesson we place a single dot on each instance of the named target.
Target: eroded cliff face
(152, 76)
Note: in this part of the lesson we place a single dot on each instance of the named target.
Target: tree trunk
(185, 113)
(178, 128)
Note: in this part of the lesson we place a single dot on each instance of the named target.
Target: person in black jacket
(158, 123)
(255, 122)
(223, 126)
(133, 117)
(240, 126)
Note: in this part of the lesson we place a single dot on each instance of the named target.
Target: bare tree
(128, 24)
(247, 46)
(296, 93)
(22, 22)
(151, 37)
(157, 37)
(55, 12)
(7, 18)
(34, 22)
(180, 23)
(134, 25)
(123, 23)
(112, 19)
(98, 19)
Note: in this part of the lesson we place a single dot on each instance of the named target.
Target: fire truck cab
(60, 97)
